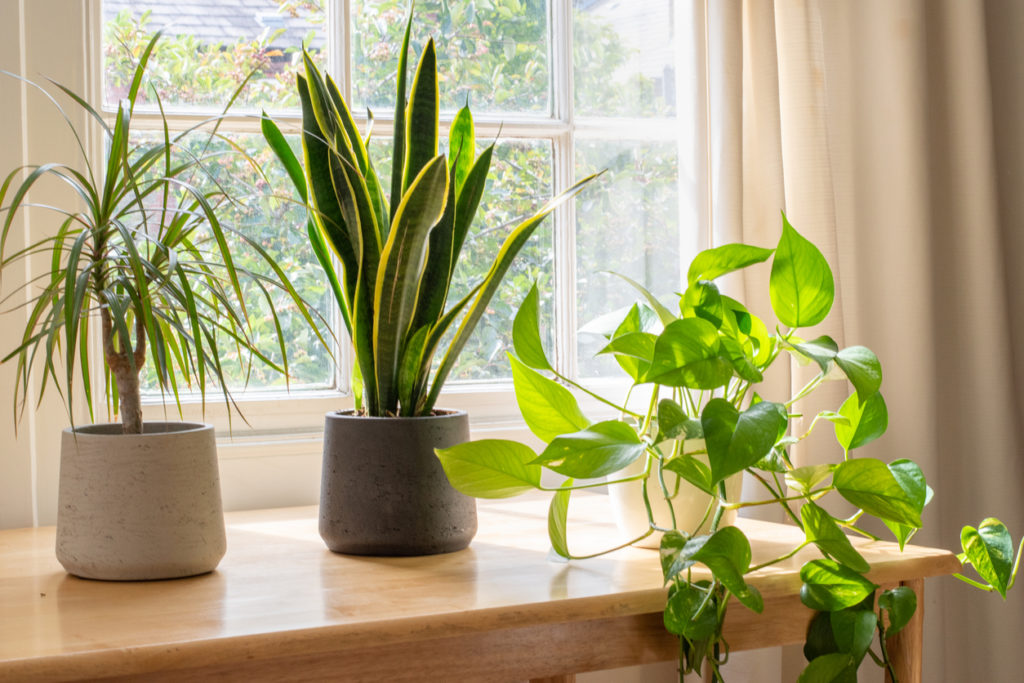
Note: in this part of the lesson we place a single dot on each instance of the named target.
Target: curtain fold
(892, 135)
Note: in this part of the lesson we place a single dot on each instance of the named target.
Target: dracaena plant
(143, 255)
(398, 253)
(701, 365)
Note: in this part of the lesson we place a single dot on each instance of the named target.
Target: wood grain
(281, 604)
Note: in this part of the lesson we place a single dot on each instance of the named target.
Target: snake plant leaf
(526, 333)
(490, 468)
(437, 271)
(713, 263)
(401, 263)
(801, 287)
(548, 408)
(421, 135)
(822, 530)
(599, 450)
(865, 421)
(509, 249)
(461, 147)
(409, 369)
(326, 209)
(398, 136)
(900, 603)
(869, 484)
(830, 586)
(279, 145)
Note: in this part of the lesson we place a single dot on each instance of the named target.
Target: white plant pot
(689, 503)
(139, 506)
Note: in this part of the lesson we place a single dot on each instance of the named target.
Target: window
(568, 87)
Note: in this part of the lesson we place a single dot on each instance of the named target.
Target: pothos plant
(398, 252)
(143, 253)
(701, 366)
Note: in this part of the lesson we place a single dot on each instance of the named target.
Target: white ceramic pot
(689, 502)
(139, 506)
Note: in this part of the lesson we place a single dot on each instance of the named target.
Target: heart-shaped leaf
(526, 333)
(861, 366)
(558, 514)
(900, 603)
(548, 408)
(727, 554)
(822, 350)
(686, 354)
(871, 485)
(490, 468)
(692, 470)
(865, 421)
(671, 419)
(598, 450)
(990, 550)
(703, 300)
(830, 586)
(670, 551)
(681, 613)
(838, 667)
(804, 479)
(713, 263)
(823, 531)
(801, 287)
(736, 441)
(854, 630)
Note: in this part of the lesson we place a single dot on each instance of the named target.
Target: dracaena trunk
(125, 363)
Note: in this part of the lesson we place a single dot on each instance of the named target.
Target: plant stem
(788, 555)
(808, 388)
(602, 399)
(885, 652)
(777, 496)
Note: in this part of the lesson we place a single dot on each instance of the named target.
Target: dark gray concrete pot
(383, 490)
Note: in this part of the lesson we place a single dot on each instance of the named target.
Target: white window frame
(287, 426)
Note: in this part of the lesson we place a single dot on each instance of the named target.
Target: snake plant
(398, 254)
(144, 254)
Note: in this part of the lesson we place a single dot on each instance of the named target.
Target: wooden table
(282, 607)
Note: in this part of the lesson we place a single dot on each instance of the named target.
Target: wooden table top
(279, 587)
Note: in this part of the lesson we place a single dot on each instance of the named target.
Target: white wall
(32, 130)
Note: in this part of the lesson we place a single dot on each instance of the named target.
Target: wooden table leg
(906, 648)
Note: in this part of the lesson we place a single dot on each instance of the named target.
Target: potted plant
(706, 422)
(143, 260)
(383, 491)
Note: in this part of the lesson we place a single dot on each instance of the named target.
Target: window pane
(209, 47)
(266, 212)
(628, 224)
(624, 57)
(492, 52)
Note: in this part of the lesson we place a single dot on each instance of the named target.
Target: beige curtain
(892, 134)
